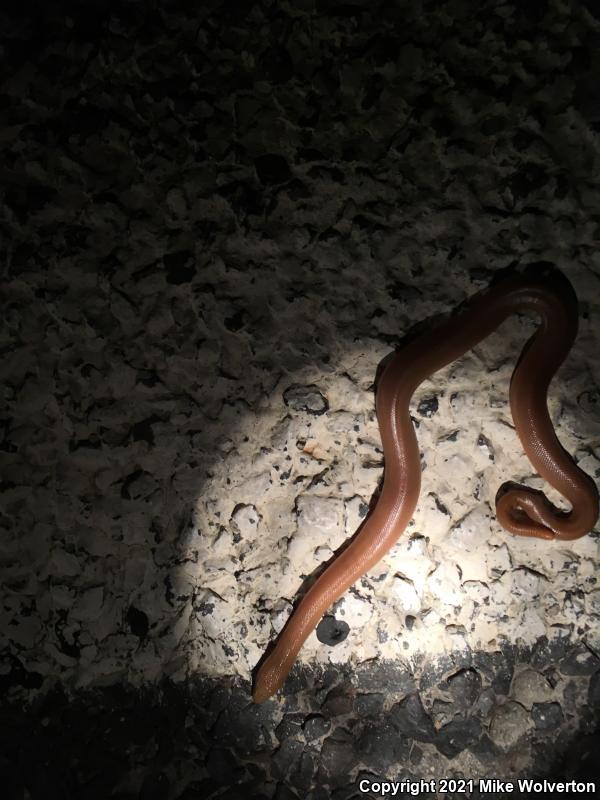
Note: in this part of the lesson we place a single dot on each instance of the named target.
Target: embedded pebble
(509, 724)
(305, 398)
(332, 631)
(529, 687)
(547, 716)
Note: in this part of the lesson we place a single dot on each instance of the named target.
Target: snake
(521, 510)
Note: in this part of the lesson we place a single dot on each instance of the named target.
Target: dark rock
(457, 736)
(485, 750)
(180, 267)
(338, 703)
(332, 631)
(416, 755)
(337, 758)
(548, 651)
(290, 725)
(433, 671)
(300, 679)
(580, 760)
(242, 725)
(497, 667)
(223, 766)
(305, 398)
(142, 430)
(485, 443)
(579, 661)
(201, 788)
(528, 177)
(348, 792)
(464, 687)
(218, 699)
(272, 169)
(283, 792)
(277, 64)
(319, 793)
(285, 758)
(154, 787)
(17, 675)
(396, 678)
(409, 621)
(316, 727)
(411, 719)
(428, 406)
(380, 744)
(442, 713)
(485, 702)
(335, 675)
(547, 716)
(594, 691)
(138, 622)
(302, 775)
(369, 705)
(572, 696)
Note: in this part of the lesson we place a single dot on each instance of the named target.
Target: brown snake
(519, 509)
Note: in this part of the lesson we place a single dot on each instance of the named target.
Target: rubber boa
(520, 510)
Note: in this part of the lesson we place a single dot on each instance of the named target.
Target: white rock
(320, 525)
(345, 395)
(411, 559)
(430, 521)
(477, 591)
(531, 626)
(498, 560)
(405, 596)
(444, 584)
(525, 584)
(245, 519)
(213, 617)
(280, 614)
(592, 602)
(472, 531)
(354, 610)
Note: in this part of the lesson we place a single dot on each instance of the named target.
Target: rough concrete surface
(217, 220)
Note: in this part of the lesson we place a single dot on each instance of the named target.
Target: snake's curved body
(522, 511)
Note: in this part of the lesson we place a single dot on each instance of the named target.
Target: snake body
(520, 510)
